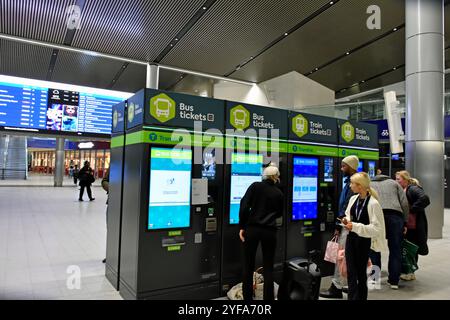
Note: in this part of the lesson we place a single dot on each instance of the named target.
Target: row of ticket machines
(173, 220)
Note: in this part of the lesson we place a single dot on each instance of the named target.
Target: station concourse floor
(45, 230)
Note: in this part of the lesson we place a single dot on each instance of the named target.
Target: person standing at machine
(365, 222)
(395, 209)
(261, 205)
(86, 177)
(349, 167)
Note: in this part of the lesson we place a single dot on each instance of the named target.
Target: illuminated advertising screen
(360, 166)
(209, 165)
(245, 170)
(170, 189)
(305, 187)
(31, 105)
(328, 170)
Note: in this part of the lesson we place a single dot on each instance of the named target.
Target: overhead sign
(245, 116)
(118, 117)
(312, 128)
(358, 134)
(181, 110)
(135, 110)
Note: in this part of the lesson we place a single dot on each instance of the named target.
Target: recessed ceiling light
(317, 69)
(285, 33)
(394, 68)
(363, 81)
(347, 53)
(395, 29)
(204, 8)
(176, 39)
(331, 2)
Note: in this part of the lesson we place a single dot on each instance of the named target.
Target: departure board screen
(38, 108)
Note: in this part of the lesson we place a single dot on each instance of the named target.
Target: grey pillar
(425, 103)
(152, 76)
(59, 163)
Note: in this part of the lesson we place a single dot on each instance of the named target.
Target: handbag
(331, 252)
(412, 218)
(409, 252)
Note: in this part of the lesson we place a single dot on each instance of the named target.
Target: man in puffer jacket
(395, 209)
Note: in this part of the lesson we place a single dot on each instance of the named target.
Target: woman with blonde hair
(365, 221)
(417, 225)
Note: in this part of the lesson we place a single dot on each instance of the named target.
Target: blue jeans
(394, 235)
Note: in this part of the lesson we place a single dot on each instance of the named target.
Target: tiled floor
(45, 230)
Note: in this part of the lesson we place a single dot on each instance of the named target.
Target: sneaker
(92, 199)
(408, 277)
(394, 286)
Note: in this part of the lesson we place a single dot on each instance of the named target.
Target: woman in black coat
(86, 177)
(417, 227)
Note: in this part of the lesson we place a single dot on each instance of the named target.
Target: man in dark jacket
(349, 167)
(395, 209)
(86, 177)
(261, 205)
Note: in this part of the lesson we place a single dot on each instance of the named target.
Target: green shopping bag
(409, 252)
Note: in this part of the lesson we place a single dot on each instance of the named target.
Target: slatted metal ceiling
(136, 29)
(230, 32)
(24, 60)
(234, 30)
(82, 69)
(43, 20)
(323, 39)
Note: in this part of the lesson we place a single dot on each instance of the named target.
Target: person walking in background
(395, 207)
(261, 205)
(417, 225)
(86, 177)
(365, 222)
(349, 167)
(75, 174)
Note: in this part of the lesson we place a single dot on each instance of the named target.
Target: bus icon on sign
(162, 107)
(239, 117)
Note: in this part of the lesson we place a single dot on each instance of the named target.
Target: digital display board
(29, 105)
(170, 189)
(360, 166)
(245, 170)
(328, 169)
(305, 187)
(371, 169)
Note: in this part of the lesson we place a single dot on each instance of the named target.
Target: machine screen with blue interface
(170, 189)
(245, 170)
(328, 170)
(372, 169)
(305, 187)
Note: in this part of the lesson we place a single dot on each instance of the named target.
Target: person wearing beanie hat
(261, 205)
(349, 167)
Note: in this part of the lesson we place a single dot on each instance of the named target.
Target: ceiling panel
(334, 32)
(82, 69)
(374, 59)
(24, 60)
(387, 79)
(132, 79)
(44, 20)
(136, 29)
(233, 30)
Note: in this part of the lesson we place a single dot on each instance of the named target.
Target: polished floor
(46, 234)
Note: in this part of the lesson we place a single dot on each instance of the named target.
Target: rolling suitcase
(301, 280)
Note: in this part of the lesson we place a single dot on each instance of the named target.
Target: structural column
(152, 76)
(59, 163)
(425, 103)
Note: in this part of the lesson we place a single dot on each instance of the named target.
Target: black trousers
(89, 191)
(268, 238)
(356, 256)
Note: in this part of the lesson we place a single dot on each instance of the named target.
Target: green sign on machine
(361, 154)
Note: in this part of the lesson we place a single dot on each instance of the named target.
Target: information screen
(209, 165)
(372, 169)
(170, 189)
(36, 108)
(305, 187)
(245, 170)
(328, 170)
(360, 166)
